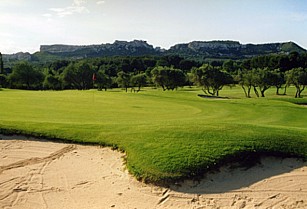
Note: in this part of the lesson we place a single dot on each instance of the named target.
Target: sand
(47, 175)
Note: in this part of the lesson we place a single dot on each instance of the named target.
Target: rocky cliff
(196, 49)
(26, 56)
(118, 48)
(232, 49)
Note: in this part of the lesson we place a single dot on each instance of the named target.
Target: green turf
(166, 135)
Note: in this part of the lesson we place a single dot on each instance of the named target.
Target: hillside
(118, 48)
(196, 49)
(232, 49)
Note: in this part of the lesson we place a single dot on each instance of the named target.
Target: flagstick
(94, 79)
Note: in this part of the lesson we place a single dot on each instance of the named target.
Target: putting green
(166, 135)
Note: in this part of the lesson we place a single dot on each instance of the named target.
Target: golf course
(166, 135)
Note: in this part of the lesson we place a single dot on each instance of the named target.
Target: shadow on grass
(232, 177)
(211, 97)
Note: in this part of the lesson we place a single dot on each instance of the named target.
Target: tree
(163, 62)
(211, 79)
(103, 81)
(230, 66)
(53, 82)
(278, 80)
(123, 80)
(174, 60)
(25, 76)
(190, 78)
(78, 75)
(168, 78)
(58, 66)
(1, 65)
(247, 79)
(176, 78)
(139, 80)
(125, 65)
(298, 78)
(54, 75)
(246, 64)
(187, 65)
(263, 79)
(170, 61)
(137, 65)
(3, 80)
(159, 76)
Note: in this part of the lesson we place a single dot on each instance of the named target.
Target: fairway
(166, 135)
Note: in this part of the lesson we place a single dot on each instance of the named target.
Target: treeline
(256, 74)
(110, 72)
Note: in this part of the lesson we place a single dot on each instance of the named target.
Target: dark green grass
(166, 135)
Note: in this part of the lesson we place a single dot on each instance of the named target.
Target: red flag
(94, 77)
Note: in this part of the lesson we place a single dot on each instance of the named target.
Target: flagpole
(94, 79)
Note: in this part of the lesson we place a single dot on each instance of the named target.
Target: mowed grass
(166, 135)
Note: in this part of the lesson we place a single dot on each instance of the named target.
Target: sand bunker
(42, 174)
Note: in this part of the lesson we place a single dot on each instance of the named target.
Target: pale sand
(46, 175)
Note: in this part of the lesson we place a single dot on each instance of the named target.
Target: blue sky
(27, 24)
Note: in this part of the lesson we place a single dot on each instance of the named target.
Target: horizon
(28, 24)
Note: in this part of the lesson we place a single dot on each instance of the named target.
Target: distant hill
(118, 48)
(196, 49)
(232, 49)
(18, 56)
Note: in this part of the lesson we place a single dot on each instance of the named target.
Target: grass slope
(166, 135)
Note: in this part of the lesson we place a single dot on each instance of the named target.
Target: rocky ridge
(194, 49)
(232, 49)
(18, 56)
(134, 48)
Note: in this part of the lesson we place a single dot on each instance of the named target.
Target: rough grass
(166, 135)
